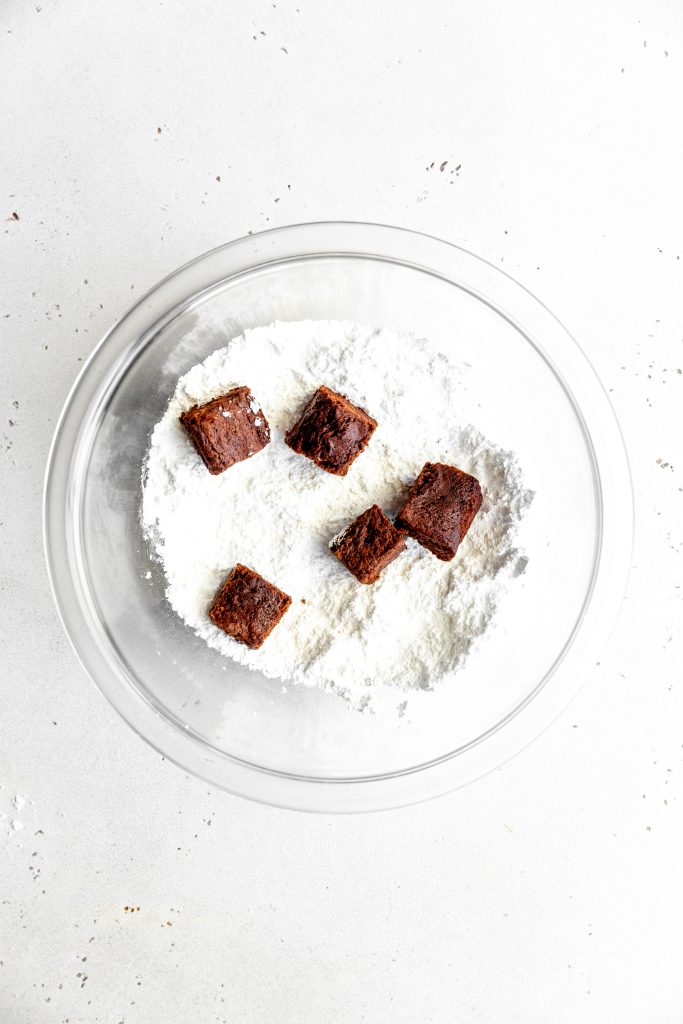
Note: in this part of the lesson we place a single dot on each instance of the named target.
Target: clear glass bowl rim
(185, 287)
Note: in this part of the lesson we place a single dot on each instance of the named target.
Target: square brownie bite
(368, 544)
(440, 508)
(331, 431)
(247, 607)
(226, 430)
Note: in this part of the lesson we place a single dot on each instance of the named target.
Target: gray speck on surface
(520, 565)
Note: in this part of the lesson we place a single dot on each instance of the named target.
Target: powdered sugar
(277, 512)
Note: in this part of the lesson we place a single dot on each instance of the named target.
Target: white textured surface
(549, 890)
(360, 641)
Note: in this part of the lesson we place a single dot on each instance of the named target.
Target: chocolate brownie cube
(440, 508)
(226, 430)
(331, 431)
(247, 607)
(368, 544)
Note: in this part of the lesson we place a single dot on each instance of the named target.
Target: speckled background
(548, 140)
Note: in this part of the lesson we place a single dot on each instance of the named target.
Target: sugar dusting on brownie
(279, 511)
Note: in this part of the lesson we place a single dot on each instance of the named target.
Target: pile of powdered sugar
(277, 512)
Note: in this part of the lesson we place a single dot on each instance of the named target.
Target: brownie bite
(247, 607)
(368, 544)
(331, 431)
(226, 430)
(440, 508)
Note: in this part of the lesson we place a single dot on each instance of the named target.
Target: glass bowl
(532, 390)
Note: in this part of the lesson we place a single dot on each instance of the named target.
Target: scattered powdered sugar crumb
(277, 512)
